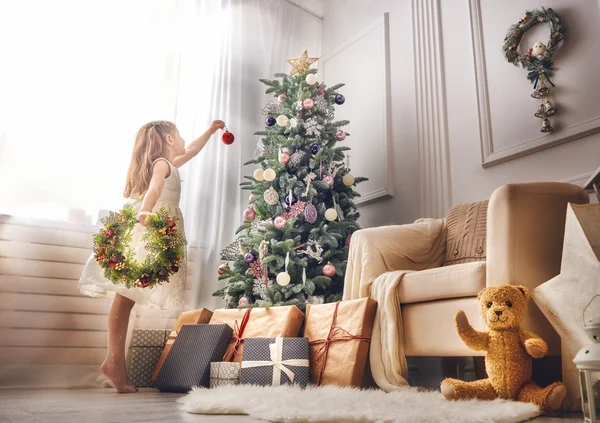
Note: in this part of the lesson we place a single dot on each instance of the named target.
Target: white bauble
(282, 120)
(269, 175)
(311, 79)
(348, 180)
(259, 174)
(283, 278)
(331, 214)
(293, 122)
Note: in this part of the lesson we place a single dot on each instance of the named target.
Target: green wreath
(164, 243)
(540, 65)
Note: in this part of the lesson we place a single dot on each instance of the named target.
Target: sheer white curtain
(263, 35)
(79, 78)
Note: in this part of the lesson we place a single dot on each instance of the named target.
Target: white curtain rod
(304, 8)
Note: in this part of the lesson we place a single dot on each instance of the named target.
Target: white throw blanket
(378, 260)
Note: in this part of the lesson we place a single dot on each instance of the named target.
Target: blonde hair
(150, 144)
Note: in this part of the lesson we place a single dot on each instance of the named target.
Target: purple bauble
(249, 257)
(270, 121)
(287, 199)
(310, 213)
(315, 148)
(340, 99)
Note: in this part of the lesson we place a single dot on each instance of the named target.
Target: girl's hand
(216, 124)
(142, 217)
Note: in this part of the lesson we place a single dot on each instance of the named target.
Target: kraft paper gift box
(339, 335)
(188, 362)
(224, 374)
(144, 352)
(193, 317)
(269, 322)
(275, 362)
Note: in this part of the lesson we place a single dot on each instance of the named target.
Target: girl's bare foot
(118, 377)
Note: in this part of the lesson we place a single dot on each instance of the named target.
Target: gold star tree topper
(302, 63)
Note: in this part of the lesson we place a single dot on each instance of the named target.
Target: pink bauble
(322, 90)
(328, 180)
(308, 103)
(329, 270)
(281, 98)
(348, 238)
(280, 222)
(249, 214)
(244, 301)
(340, 135)
(284, 158)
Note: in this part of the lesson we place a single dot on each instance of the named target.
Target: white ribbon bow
(279, 365)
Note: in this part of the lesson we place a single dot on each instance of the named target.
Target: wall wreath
(538, 59)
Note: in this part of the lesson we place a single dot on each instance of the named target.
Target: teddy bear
(510, 349)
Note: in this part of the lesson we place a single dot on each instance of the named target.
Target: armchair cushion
(466, 233)
(459, 280)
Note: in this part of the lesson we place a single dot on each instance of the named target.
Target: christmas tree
(293, 245)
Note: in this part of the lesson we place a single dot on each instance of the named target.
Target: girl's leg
(114, 364)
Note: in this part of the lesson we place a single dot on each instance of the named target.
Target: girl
(152, 182)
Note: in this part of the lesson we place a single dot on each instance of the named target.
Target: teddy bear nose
(498, 312)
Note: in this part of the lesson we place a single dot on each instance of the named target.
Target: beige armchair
(516, 238)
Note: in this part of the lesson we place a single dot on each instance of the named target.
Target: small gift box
(339, 335)
(275, 361)
(269, 322)
(193, 317)
(224, 374)
(188, 362)
(144, 352)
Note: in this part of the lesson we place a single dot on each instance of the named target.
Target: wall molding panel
(435, 196)
(490, 154)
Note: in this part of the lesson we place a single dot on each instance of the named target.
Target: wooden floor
(107, 406)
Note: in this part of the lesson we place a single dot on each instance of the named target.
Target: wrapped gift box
(188, 362)
(193, 317)
(270, 322)
(144, 352)
(339, 347)
(224, 374)
(275, 361)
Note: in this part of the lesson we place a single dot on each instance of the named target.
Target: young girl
(152, 182)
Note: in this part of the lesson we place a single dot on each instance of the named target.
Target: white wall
(435, 114)
(343, 19)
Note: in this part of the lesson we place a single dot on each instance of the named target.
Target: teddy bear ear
(524, 291)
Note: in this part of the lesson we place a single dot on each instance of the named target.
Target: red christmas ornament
(227, 137)
(222, 268)
(329, 270)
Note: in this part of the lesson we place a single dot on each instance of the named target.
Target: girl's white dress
(168, 296)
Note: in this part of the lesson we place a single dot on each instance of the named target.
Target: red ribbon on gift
(237, 336)
(336, 333)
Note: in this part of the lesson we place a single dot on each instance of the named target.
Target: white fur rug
(333, 404)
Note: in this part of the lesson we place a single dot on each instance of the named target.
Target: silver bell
(546, 127)
(550, 109)
(541, 113)
(540, 92)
